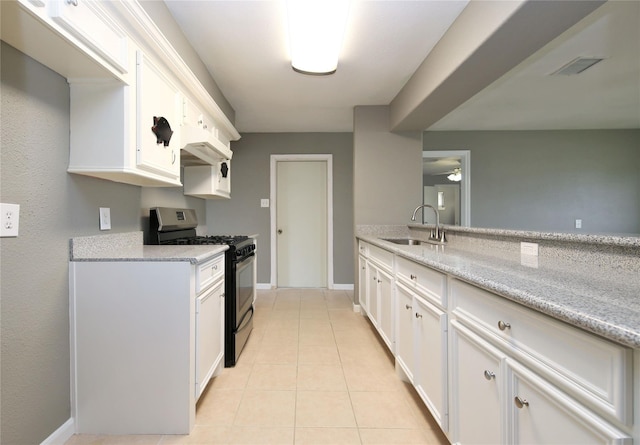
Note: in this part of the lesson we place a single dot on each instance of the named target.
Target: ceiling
(244, 46)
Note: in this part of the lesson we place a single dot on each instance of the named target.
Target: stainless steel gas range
(172, 226)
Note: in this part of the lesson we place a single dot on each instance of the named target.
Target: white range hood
(202, 144)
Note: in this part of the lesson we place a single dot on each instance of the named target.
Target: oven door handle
(242, 323)
(245, 259)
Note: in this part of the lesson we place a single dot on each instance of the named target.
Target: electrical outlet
(10, 215)
(264, 203)
(578, 224)
(105, 218)
(529, 249)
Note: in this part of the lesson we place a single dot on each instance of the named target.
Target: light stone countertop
(601, 299)
(129, 247)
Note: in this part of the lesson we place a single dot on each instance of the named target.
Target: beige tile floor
(313, 372)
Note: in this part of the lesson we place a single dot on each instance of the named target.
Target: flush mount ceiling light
(456, 175)
(316, 30)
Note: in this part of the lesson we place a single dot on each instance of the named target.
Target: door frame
(465, 183)
(328, 159)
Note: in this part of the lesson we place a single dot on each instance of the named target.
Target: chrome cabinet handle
(503, 325)
(173, 160)
(489, 375)
(215, 267)
(418, 315)
(520, 403)
(414, 277)
(72, 2)
(279, 231)
(406, 306)
(379, 281)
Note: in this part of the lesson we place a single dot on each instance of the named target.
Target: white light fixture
(456, 175)
(316, 30)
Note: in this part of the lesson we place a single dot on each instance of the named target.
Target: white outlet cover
(264, 203)
(10, 217)
(105, 218)
(529, 248)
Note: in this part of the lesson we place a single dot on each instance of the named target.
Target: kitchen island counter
(600, 297)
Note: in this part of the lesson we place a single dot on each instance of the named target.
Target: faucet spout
(437, 230)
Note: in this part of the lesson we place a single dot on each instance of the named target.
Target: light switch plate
(264, 203)
(578, 224)
(10, 215)
(105, 218)
(529, 249)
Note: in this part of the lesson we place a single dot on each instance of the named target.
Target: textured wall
(54, 206)
(250, 182)
(387, 169)
(545, 180)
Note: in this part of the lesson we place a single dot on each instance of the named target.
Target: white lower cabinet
(492, 371)
(540, 413)
(477, 383)
(505, 390)
(209, 335)
(405, 350)
(421, 349)
(430, 371)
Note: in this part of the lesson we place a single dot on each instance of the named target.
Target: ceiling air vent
(576, 66)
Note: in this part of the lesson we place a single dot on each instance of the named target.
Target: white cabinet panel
(209, 335)
(362, 284)
(404, 330)
(477, 386)
(430, 326)
(157, 97)
(543, 415)
(385, 296)
(87, 21)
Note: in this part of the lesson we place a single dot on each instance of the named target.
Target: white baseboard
(343, 286)
(269, 286)
(62, 434)
(264, 286)
(356, 308)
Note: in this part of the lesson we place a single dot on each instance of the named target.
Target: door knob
(279, 231)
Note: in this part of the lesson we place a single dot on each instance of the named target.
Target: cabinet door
(372, 293)
(540, 413)
(404, 330)
(362, 284)
(477, 387)
(385, 297)
(156, 97)
(430, 325)
(87, 21)
(209, 335)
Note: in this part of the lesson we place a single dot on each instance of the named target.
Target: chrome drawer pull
(520, 403)
(418, 315)
(406, 306)
(489, 375)
(414, 277)
(502, 325)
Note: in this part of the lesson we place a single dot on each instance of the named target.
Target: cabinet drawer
(382, 257)
(207, 273)
(590, 368)
(430, 283)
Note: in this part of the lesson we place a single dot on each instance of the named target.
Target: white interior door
(301, 223)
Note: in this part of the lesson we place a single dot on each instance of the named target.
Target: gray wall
(545, 180)
(387, 178)
(54, 207)
(250, 182)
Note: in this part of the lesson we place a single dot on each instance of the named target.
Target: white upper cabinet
(87, 21)
(75, 38)
(123, 73)
(158, 103)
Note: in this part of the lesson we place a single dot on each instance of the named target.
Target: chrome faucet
(438, 233)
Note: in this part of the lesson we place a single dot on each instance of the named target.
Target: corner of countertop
(84, 246)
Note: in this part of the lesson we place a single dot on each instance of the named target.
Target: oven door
(245, 291)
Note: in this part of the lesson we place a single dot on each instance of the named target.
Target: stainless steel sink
(410, 241)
